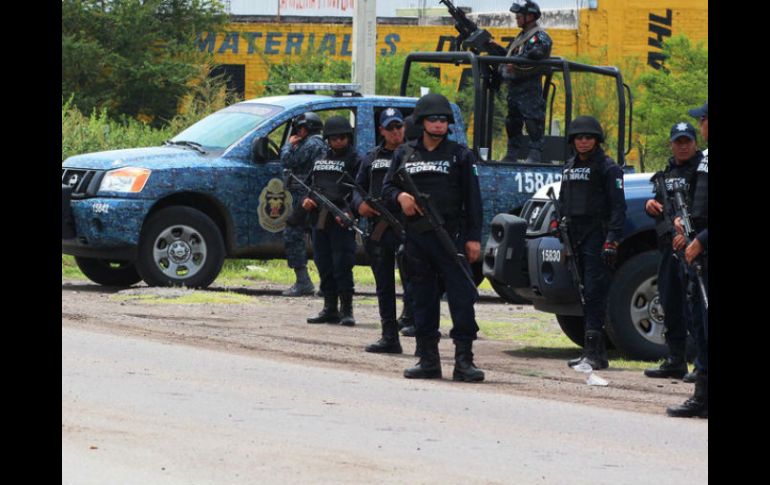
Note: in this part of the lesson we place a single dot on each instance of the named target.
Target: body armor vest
(378, 169)
(700, 203)
(685, 175)
(437, 174)
(584, 188)
(328, 170)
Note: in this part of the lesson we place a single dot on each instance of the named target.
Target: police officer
(406, 320)
(672, 279)
(334, 247)
(592, 200)
(526, 106)
(446, 171)
(697, 405)
(382, 243)
(304, 147)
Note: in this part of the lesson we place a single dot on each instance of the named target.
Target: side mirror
(260, 151)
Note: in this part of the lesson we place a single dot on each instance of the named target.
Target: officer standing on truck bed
(446, 172)
(698, 404)
(526, 106)
(592, 201)
(334, 247)
(383, 242)
(305, 147)
(672, 280)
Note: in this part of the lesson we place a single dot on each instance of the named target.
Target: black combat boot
(698, 404)
(594, 352)
(429, 365)
(303, 285)
(464, 369)
(512, 152)
(675, 365)
(346, 310)
(406, 322)
(389, 343)
(329, 314)
(690, 377)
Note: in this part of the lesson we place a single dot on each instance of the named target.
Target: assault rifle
(677, 203)
(471, 37)
(569, 249)
(344, 219)
(376, 204)
(434, 219)
(680, 204)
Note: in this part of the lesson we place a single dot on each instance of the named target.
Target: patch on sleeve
(619, 183)
(475, 170)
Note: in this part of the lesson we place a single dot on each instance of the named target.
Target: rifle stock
(346, 221)
(375, 204)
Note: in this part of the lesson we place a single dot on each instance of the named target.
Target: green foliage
(133, 58)
(665, 96)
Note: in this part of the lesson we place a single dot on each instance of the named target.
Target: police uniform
(672, 275)
(592, 199)
(299, 159)
(448, 175)
(334, 247)
(381, 247)
(526, 105)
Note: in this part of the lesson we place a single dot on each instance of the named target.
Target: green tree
(135, 58)
(665, 96)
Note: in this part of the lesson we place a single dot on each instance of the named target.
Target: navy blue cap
(683, 129)
(699, 112)
(389, 116)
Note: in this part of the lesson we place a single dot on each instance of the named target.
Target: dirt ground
(261, 322)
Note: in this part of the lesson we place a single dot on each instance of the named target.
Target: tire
(180, 246)
(108, 272)
(509, 294)
(635, 315)
(574, 328)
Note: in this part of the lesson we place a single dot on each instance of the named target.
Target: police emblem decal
(274, 206)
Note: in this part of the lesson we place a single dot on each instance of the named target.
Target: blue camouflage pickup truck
(171, 214)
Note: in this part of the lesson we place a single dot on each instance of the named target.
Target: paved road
(140, 411)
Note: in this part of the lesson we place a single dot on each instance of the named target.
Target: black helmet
(525, 8)
(413, 130)
(309, 120)
(337, 125)
(432, 104)
(585, 125)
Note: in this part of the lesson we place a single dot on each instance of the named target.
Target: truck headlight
(127, 179)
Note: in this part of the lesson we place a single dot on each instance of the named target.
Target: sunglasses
(435, 118)
(584, 137)
(338, 137)
(394, 126)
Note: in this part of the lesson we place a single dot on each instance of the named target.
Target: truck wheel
(635, 323)
(108, 272)
(574, 328)
(180, 246)
(509, 294)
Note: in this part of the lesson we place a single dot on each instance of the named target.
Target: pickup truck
(171, 214)
(522, 254)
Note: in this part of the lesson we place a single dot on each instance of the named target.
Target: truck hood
(637, 185)
(153, 158)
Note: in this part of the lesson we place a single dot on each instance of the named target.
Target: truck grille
(84, 183)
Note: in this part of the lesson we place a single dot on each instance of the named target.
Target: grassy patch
(69, 269)
(188, 297)
(243, 272)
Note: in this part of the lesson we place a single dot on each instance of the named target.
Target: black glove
(610, 254)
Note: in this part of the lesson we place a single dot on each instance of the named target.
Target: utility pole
(364, 44)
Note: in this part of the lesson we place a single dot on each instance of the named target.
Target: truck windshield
(228, 125)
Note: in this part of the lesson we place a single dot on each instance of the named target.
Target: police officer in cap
(672, 278)
(698, 404)
(334, 247)
(446, 171)
(304, 147)
(526, 106)
(382, 243)
(592, 200)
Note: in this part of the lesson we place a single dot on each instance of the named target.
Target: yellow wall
(624, 28)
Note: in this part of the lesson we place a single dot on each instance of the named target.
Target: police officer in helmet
(672, 276)
(304, 147)
(334, 247)
(446, 171)
(592, 200)
(526, 106)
